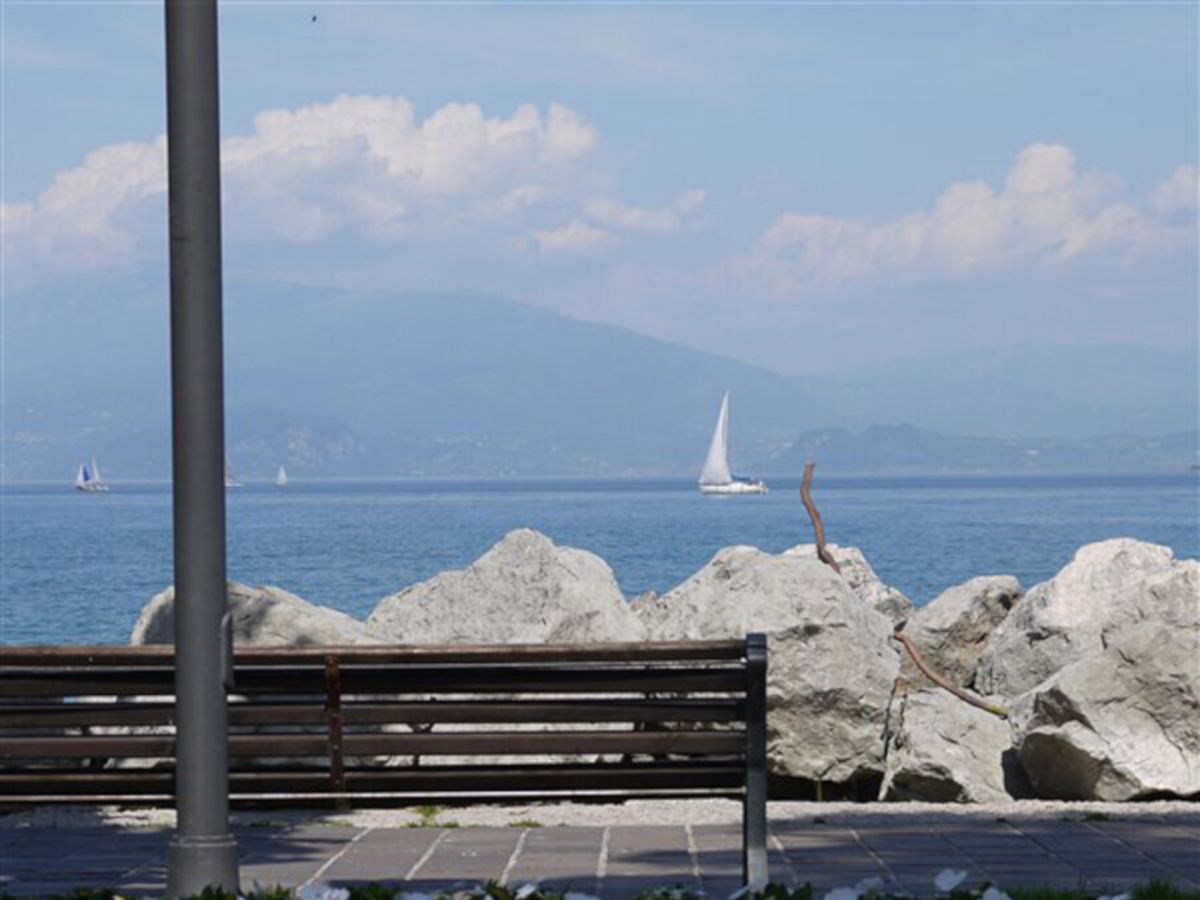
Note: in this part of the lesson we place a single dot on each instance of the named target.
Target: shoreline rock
(1106, 588)
(862, 580)
(952, 631)
(262, 616)
(525, 589)
(1123, 724)
(943, 750)
(832, 666)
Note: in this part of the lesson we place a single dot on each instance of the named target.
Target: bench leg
(754, 836)
(754, 811)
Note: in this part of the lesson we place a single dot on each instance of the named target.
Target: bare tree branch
(944, 683)
(806, 497)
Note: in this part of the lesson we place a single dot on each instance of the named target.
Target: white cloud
(1179, 193)
(574, 237)
(359, 164)
(1046, 211)
(85, 217)
(665, 220)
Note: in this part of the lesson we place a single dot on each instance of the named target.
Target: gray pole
(202, 851)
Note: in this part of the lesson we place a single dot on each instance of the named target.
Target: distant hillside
(1031, 390)
(905, 450)
(345, 383)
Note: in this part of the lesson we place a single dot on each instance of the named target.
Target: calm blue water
(77, 568)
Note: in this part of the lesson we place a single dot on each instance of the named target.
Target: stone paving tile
(829, 859)
(381, 854)
(648, 851)
(643, 857)
(469, 854)
(290, 857)
(1173, 847)
(559, 858)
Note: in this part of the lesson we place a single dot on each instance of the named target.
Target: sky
(809, 187)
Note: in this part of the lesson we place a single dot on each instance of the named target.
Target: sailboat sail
(716, 464)
(89, 479)
(281, 478)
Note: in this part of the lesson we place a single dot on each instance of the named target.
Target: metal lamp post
(202, 852)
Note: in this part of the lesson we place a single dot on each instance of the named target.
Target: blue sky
(803, 186)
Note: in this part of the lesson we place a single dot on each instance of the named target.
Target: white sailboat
(715, 477)
(89, 480)
(281, 478)
(230, 479)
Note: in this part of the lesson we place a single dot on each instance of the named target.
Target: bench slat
(449, 779)
(452, 744)
(369, 713)
(652, 651)
(126, 680)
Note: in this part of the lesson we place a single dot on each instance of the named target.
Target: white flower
(948, 879)
(321, 891)
(995, 894)
(869, 884)
(842, 894)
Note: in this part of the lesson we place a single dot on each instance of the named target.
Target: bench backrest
(386, 725)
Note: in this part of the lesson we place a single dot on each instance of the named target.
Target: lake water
(77, 568)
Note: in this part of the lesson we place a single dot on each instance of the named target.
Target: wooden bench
(323, 726)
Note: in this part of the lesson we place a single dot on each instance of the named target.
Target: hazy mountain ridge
(345, 383)
(905, 450)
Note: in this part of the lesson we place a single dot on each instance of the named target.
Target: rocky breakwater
(1098, 668)
(1102, 665)
(832, 666)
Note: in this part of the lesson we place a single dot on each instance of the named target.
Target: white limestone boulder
(1106, 589)
(262, 616)
(525, 589)
(952, 631)
(831, 666)
(943, 750)
(1121, 724)
(863, 581)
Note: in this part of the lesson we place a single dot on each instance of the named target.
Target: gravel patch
(633, 812)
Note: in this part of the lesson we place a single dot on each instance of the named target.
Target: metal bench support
(754, 814)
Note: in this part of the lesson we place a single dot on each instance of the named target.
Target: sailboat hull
(734, 487)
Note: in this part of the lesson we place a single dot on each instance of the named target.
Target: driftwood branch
(806, 497)
(941, 682)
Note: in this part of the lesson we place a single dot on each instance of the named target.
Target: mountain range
(346, 383)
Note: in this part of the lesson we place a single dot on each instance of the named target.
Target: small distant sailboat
(230, 479)
(89, 480)
(715, 477)
(281, 479)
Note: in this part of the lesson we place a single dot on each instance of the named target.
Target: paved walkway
(620, 861)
